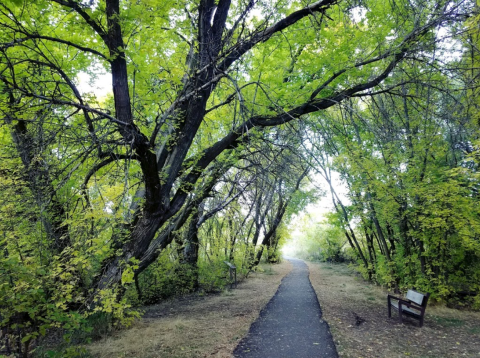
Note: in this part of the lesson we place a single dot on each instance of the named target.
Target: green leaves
(408, 183)
(90, 181)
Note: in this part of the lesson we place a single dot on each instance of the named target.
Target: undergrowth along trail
(196, 326)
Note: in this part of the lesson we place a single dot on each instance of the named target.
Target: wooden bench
(414, 305)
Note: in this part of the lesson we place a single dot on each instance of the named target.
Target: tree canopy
(213, 108)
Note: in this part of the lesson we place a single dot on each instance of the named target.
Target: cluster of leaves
(37, 286)
(406, 157)
(194, 157)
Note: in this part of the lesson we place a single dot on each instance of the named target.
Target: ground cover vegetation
(356, 311)
(195, 326)
(218, 113)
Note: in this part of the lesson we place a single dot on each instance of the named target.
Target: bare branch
(16, 42)
(93, 24)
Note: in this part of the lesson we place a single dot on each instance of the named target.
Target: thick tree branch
(243, 47)
(111, 158)
(234, 137)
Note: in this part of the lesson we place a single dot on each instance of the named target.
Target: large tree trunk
(165, 165)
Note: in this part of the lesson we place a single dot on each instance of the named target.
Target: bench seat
(406, 310)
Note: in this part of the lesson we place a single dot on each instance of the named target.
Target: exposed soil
(193, 326)
(357, 314)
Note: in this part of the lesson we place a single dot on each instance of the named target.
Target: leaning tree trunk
(189, 256)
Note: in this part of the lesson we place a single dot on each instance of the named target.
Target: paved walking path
(290, 325)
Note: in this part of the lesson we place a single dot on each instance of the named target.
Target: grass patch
(61, 352)
(268, 271)
(449, 322)
(346, 299)
(474, 330)
(194, 326)
(228, 292)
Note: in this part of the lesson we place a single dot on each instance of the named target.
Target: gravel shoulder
(356, 311)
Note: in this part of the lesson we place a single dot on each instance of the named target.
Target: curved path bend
(290, 325)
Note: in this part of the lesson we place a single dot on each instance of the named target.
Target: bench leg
(421, 321)
(389, 307)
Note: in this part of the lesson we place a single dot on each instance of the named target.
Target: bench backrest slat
(232, 266)
(415, 296)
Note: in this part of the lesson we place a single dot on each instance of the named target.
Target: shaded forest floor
(357, 314)
(195, 326)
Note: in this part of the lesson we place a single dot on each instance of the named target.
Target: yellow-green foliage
(414, 198)
(320, 240)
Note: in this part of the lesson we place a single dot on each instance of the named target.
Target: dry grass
(347, 299)
(196, 326)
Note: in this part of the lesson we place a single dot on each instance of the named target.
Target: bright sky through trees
(146, 142)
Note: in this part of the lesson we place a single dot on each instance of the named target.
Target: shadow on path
(290, 325)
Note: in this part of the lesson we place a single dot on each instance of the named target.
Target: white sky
(100, 86)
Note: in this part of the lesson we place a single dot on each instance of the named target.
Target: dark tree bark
(169, 174)
(38, 178)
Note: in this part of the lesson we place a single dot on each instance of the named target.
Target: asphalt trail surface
(290, 325)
